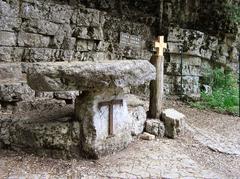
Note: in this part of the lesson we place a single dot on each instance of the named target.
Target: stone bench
(101, 108)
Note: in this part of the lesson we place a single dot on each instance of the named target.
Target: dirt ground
(210, 148)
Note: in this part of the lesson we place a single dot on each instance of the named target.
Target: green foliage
(225, 95)
(234, 12)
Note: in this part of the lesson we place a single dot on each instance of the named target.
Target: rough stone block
(40, 55)
(11, 54)
(86, 17)
(10, 71)
(90, 56)
(7, 38)
(90, 33)
(138, 117)
(48, 55)
(66, 95)
(60, 13)
(48, 95)
(175, 69)
(9, 8)
(42, 105)
(10, 23)
(195, 43)
(190, 86)
(174, 122)
(94, 120)
(15, 91)
(52, 138)
(63, 33)
(155, 127)
(69, 43)
(188, 60)
(32, 40)
(147, 136)
(40, 27)
(34, 10)
(84, 45)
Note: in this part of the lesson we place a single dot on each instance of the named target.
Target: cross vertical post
(156, 86)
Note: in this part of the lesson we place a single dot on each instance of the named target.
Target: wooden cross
(160, 45)
(110, 105)
(156, 86)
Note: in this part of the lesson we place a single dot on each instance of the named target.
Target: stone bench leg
(92, 110)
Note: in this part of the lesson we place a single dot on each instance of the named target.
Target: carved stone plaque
(127, 40)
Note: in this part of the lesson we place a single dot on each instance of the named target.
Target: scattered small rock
(174, 122)
(155, 127)
(147, 136)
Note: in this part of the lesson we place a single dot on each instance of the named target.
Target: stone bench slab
(89, 76)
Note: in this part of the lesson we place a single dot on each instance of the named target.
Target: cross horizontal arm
(110, 103)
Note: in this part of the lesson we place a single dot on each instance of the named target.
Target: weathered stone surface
(191, 86)
(41, 105)
(155, 127)
(89, 75)
(40, 26)
(9, 8)
(65, 31)
(7, 38)
(10, 23)
(60, 13)
(87, 17)
(195, 43)
(147, 136)
(41, 55)
(84, 45)
(42, 10)
(32, 40)
(57, 139)
(174, 122)
(95, 33)
(15, 91)
(11, 54)
(207, 89)
(52, 55)
(10, 71)
(66, 95)
(48, 95)
(138, 117)
(34, 10)
(96, 140)
(45, 127)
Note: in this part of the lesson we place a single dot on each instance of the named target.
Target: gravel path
(189, 156)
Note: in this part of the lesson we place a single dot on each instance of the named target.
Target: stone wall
(200, 53)
(40, 31)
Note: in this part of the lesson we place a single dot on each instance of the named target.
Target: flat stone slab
(90, 76)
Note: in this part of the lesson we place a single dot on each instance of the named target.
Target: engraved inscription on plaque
(127, 40)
